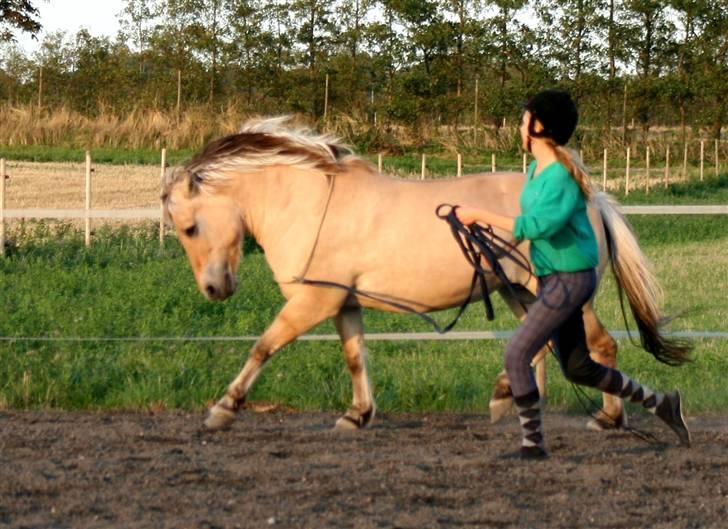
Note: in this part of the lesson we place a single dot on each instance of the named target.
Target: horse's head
(210, 227)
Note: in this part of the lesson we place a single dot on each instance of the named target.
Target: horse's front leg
(298, 316)
(351, 330)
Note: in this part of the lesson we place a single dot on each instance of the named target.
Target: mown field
(125, 285)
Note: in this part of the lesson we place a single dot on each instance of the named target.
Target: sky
(99, 17)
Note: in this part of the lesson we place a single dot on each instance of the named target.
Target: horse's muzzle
(219, 286)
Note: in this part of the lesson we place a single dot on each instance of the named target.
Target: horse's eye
(191, 231)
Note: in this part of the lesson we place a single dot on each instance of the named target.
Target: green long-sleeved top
(553, 217)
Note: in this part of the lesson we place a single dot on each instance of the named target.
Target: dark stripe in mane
(258, 145)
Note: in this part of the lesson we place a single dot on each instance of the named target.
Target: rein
(478, 245)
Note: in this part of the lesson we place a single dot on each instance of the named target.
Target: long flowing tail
(635, 278)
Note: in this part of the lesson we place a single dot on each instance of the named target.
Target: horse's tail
(635, 278)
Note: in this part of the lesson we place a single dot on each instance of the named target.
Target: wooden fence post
(422, 176)
(647, 169)
(2, 206)
(604, 172)
(626, 173)
(87, 231)
(460, 165)
(475, 114)
(326, 98)
(179, 95)
(717, 163)
(380, 162)
(685, 162)
(492, 162)
(667, 166)
(702, 159)
(161, 203)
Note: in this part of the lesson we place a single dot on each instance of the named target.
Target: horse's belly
(422, 291)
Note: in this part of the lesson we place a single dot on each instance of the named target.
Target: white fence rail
(155, 214)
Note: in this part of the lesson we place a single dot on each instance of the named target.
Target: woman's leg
(560, 295)
(578, 367)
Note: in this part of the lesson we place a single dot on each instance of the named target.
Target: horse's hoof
(347, 424)
(219, 418)
(601, 423)
(499, 408)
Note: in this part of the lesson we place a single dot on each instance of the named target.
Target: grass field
(125, 285)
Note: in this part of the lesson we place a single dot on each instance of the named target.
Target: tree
(137, 20)
(314, 31)
(571, 37)
(650, 33)
(17, 15)
(504, 52)
(711, 64)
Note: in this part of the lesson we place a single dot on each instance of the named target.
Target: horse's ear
(339, 151)
(193, 183)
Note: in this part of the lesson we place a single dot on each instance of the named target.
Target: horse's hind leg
(603, 350)
(351, 330)
(298, 316)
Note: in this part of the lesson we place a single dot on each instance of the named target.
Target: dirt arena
(284, 469)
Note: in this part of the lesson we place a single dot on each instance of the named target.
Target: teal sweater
(553, 217)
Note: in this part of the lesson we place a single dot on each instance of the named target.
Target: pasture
(125, 286)
(100, 428)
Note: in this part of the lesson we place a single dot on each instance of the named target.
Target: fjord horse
(318, 210)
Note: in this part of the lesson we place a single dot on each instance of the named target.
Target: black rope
(478, 244)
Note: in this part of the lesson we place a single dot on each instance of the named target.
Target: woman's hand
(468, 215)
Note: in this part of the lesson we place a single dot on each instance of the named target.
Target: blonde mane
(261, 143)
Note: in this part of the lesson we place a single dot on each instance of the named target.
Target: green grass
(438, 164)
(712, 190)
(40, 153)
(125, 285)
(441, 165)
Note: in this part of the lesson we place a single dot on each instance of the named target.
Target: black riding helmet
(557, 113)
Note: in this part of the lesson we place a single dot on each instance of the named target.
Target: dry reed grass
(154, 128)
(138, 129)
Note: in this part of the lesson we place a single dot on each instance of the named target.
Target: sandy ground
(285, 469)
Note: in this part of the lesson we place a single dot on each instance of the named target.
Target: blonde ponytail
(576, 167)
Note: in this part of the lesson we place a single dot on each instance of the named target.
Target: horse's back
(391, 240)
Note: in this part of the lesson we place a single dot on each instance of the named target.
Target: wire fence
(389, 336)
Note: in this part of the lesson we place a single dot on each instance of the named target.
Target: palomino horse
(320, 211)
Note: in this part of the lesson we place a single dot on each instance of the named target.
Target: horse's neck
(279, 197)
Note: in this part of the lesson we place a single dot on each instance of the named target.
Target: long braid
(576, 167)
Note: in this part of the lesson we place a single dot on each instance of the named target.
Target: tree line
(407, 63)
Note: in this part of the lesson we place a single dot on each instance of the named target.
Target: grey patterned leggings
(556, 314)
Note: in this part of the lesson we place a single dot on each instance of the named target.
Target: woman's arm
(469, 215)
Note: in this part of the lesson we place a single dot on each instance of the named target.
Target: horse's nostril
(211, 291)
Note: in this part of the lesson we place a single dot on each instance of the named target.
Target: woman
(564, 255)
